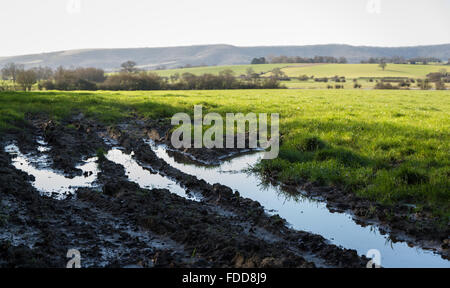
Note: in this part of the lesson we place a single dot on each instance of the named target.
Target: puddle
(306, 214)
(55, 184)
(48, 181)
(142, 176)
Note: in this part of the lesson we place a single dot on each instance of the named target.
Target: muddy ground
(119, 224)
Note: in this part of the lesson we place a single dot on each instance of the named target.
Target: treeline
(316, 59)
(342, 60)
(402, 60)
(23, 77)
(129, 78)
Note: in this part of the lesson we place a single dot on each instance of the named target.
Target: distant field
(350, 71)
(311, 84)
(237, 69)
(363, 70)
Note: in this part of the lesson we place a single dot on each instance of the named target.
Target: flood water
(306, 214)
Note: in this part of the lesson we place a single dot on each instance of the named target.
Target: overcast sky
(34, 26)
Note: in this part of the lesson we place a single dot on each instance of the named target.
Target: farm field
(237, 69)
(362, 70)
(319, 70)
(311, 84)
(389, 146)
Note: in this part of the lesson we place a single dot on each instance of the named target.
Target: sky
(30, 26)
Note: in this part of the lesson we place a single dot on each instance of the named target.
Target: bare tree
(11, 70)
(26, 79)
(43, 73)
(129, 67)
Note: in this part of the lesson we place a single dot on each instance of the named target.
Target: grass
(385, 145)
(362, 70)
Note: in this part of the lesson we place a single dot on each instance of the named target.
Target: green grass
(363, 70)
(389, 146)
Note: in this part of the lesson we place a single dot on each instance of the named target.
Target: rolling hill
(173, 57)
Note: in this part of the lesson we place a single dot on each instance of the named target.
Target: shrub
(440, 85)
(303, 78)
(383, 85)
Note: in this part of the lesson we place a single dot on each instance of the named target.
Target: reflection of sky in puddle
(136, 173)
(48, 181)
(305, 214)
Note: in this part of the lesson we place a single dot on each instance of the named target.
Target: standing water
(48, 181)
(305, 214)
(146, 180)
(54, 183)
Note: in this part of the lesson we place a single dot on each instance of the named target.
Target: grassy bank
(389, 146)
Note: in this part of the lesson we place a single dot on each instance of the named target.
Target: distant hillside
(173, 57)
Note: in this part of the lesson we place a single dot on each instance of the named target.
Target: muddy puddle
(55, 184)
(48, 181)
(306, 214)
(144, 176)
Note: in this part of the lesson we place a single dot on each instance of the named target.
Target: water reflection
(48, 181)
(144, 177)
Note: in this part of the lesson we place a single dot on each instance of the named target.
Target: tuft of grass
(343, 156)
(311, 144)
(411, 176)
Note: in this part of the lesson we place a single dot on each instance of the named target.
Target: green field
(311, 84)
(390, 146)
(319, 70)
(350, 71)
(363, 70)
(237, 69)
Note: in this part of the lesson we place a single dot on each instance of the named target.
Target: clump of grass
(343, 156)
(411, 176)
(310, 144)
(385, 146)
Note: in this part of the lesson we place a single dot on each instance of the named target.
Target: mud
(123, 225)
